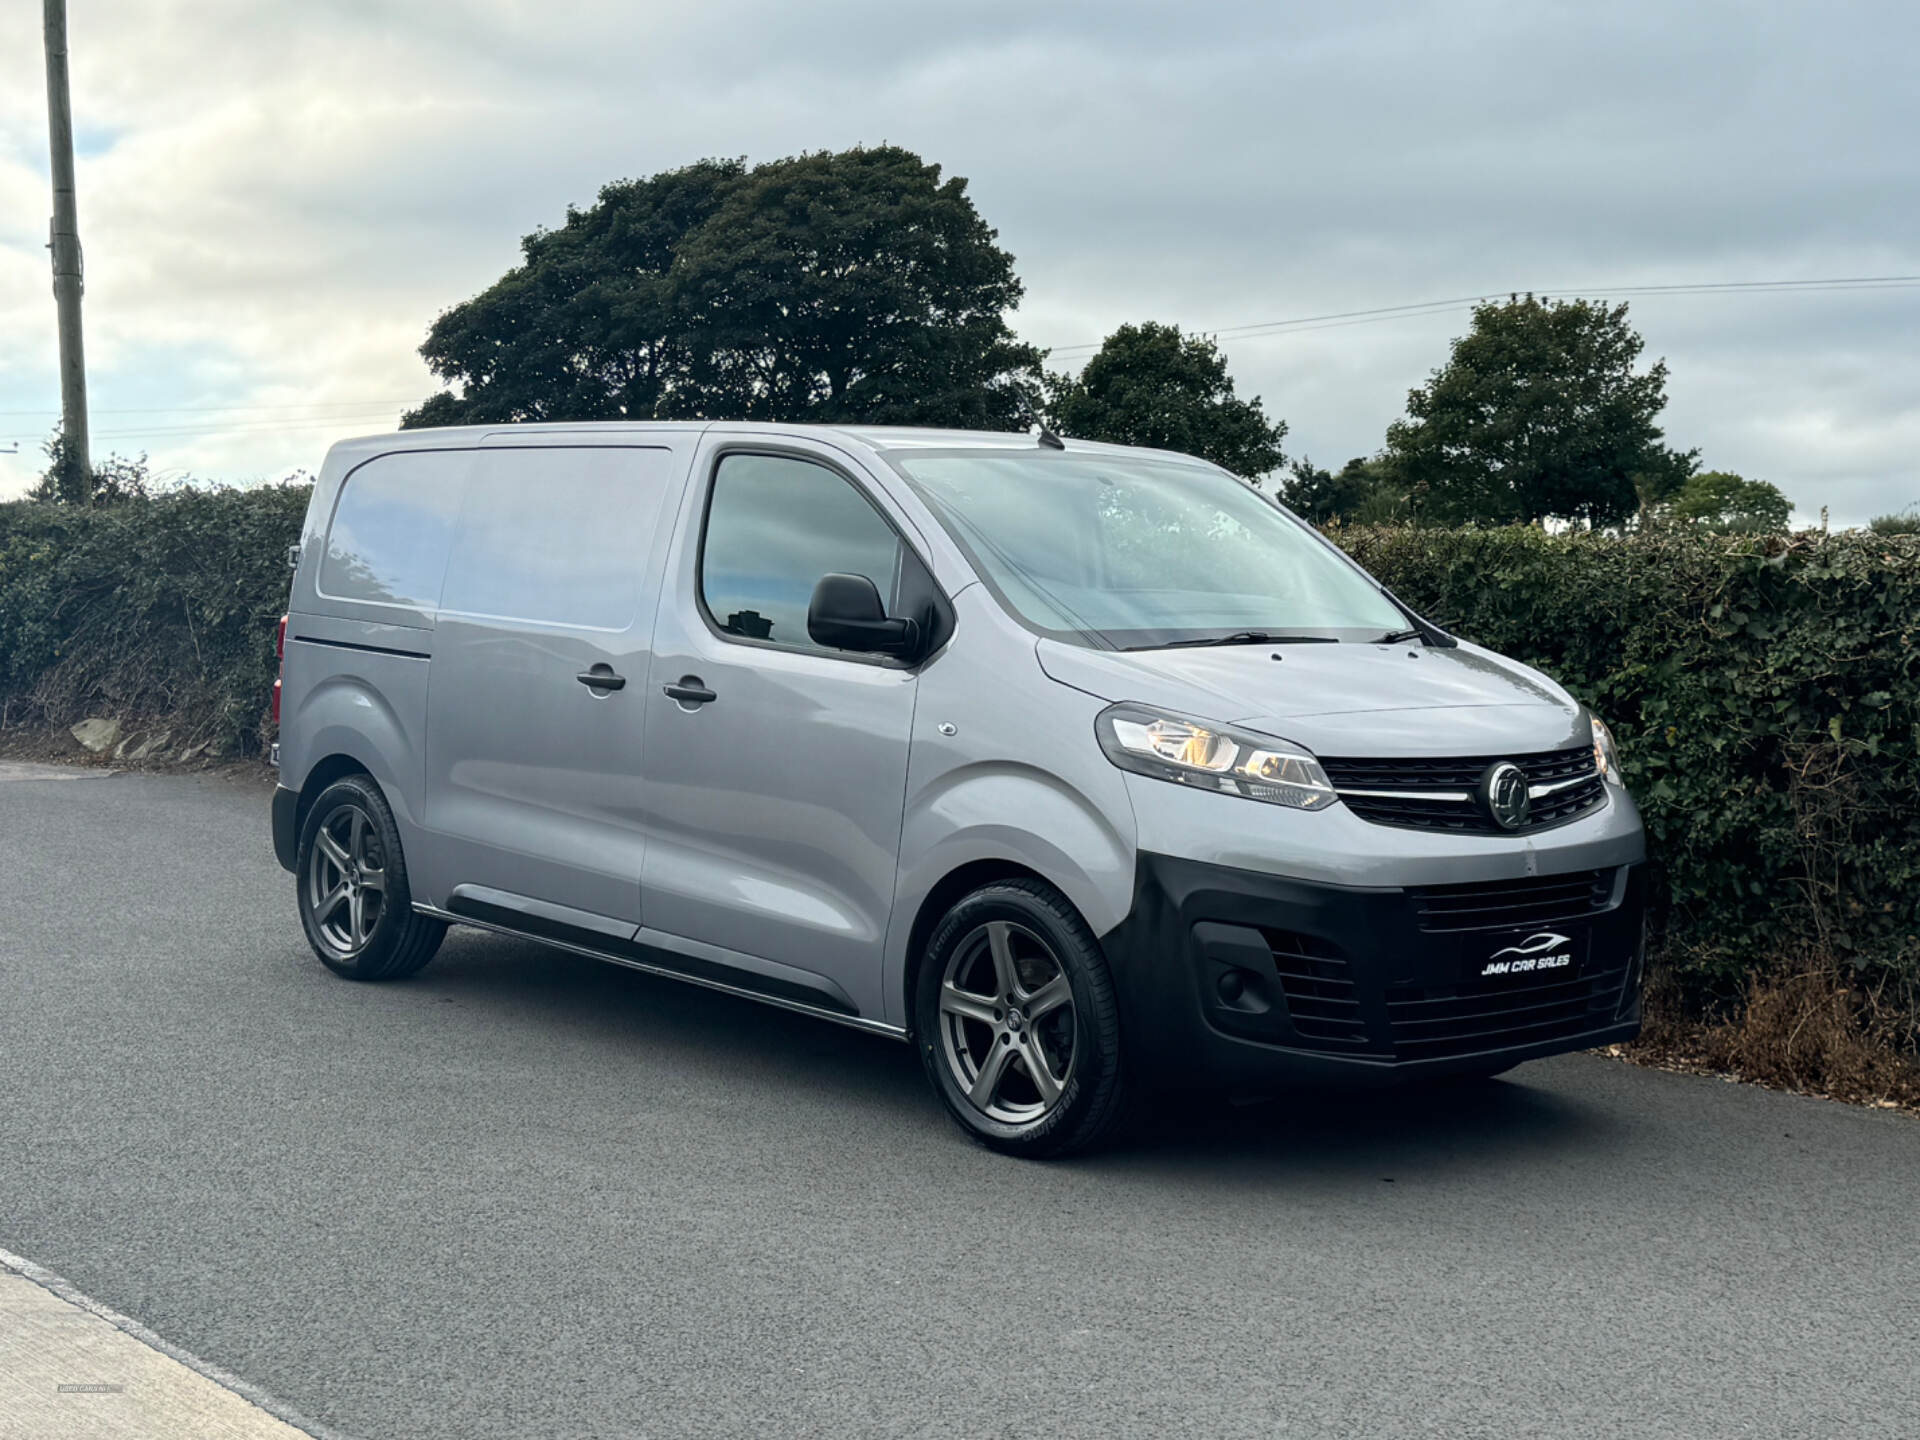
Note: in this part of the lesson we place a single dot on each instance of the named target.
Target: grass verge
(1808, 1029)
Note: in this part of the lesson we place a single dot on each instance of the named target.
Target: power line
(240, 427)
(252, 427)
(1837, 282)
(212, 409)
(1340, 318)
(349, 413)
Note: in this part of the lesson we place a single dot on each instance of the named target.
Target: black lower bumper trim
(1244, 979)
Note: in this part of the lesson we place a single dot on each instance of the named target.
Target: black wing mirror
(846, 614)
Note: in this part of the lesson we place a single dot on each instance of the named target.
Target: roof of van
(878, 437)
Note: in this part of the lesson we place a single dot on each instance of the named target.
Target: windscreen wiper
(1395, 637)
(1243, 637)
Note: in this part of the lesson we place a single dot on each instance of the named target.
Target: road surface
(530, 1195)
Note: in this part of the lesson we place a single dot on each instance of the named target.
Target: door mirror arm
(846, 614)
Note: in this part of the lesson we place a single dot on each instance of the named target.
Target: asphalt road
(530, 1195)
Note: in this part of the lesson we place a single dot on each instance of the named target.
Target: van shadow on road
(716, 1040)
(1389, 1135)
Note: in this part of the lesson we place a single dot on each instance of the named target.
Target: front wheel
(1017, 1024)
(355, 904)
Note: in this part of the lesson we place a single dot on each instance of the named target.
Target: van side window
(392, 526)
(774, 527)
(557, 535)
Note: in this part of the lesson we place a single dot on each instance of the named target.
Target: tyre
(351, 880)
(1017, 1023)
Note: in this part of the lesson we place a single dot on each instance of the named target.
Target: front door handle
(601, 677)
(689, 691)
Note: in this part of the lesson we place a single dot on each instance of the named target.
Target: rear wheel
(351, 875)
(1017, 1023)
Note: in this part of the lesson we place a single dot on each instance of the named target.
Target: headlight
(1606, 756)
(1212, 757)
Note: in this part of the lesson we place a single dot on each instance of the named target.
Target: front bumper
(1245, 980)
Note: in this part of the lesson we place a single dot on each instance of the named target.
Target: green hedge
(156, 610)
(1765, 691)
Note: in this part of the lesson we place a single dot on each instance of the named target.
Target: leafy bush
(156, 608)
(1766, 695)
(1765, 689)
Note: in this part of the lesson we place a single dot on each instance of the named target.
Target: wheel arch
(990, 821)
(947, 892)
(377, 721)
(336, 766)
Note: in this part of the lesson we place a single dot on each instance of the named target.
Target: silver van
(1090, 771)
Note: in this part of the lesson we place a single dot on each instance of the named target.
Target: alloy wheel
(1007, 1022)
(347, 879)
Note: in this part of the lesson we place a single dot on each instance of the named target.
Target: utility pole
(65, 244)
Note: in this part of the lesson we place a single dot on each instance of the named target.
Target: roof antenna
(1036, 427)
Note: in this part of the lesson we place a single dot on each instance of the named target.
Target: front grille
(1512, 904)
(1541, 769)
(1319, 989)
(1435, 1021)
(1403, 792)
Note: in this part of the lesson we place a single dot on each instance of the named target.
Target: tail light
(279, 650)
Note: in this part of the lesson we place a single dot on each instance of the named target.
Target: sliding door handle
(601, 677)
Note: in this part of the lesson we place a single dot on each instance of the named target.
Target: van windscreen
(1118, 552)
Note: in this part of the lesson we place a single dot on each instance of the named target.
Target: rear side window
(774, 527)
(557, 536)
(392, 527)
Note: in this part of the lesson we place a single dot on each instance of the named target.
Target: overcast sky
(277, 198)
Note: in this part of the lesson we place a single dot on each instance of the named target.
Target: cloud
(277, 198)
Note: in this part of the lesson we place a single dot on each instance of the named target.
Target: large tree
(1151, 385)
(1362, 492)
(1539, 414)
(1721, 500)
(853, 287)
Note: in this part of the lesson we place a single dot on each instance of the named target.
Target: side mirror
(846, 614)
